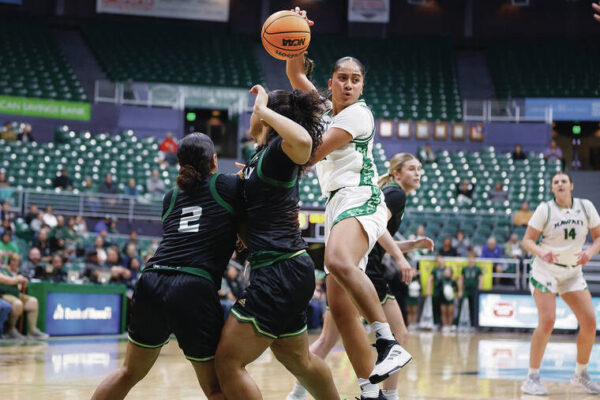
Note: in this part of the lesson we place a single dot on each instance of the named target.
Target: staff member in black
(177, 292)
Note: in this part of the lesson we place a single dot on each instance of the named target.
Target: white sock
(390, 394)
(298, 392)
(534, 371)
(367, 389)
(579, 368)
(382, 330)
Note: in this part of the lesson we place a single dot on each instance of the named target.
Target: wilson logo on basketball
(504, 309)
(293, 42)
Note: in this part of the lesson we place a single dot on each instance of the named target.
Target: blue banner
(83, 313)
(499, 310)
(566, 109)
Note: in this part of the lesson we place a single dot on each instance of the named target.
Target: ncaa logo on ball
(293, 42)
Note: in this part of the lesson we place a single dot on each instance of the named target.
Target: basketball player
(271, 312)
(403, 177)
(557, 269)
(177, 292)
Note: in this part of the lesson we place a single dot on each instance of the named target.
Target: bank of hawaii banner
(208, 10)
(44, 108)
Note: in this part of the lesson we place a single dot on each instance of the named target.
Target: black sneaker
(380, 397)
(390, 358)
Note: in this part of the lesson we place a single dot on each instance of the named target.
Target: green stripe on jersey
(146, 346)
(293, 334)
(200, 360)
(253, 322)
(267, 257)
(213, 190)
(172, 204)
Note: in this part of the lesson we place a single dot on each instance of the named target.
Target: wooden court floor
(444, 366)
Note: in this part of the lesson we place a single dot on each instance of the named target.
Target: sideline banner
(369, 11)
(207, 10)
(426, 266)
(83, 314)
(46, 108)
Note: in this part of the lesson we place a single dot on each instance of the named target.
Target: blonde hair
(14, 257)
(396, 164)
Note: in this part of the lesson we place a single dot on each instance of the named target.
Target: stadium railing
(501, 111)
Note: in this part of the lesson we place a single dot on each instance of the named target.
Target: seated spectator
(95, 271)
(168, 145)
(25, 134)
(419, 234)
(52, 272)
(523, 215)
(464, 193)
(118, 273)
(113, 227)
(8, 133)
(31, 214)
(63, 181)
(7, 246)
(109, 187)
(79, 226)
(553, 153)
(171, 159)
(37, 223)
(12, 285)
(88, 185)
(43, 244)
(5, 309)
(154, 185)
(106, 239)
(134, 266)
(130, 252)
(316, 306)
(133, 241)
(29, 266)
(103, 224)
(491, 249)
(99, 249)
(7, 226)
(426, 155)
(49, 217)
(498, 195)
(447, 250)
(518, 154)
(512, 249)
(5, 190)
(131, 188)
(461, 244)
(60, 230)
(5, 212)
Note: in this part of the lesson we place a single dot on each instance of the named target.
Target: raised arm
(294, 69)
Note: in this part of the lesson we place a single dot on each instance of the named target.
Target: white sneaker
(583, 380)
(292, 396)
(532, 385)
(37, 334)
(13, 334)
(390, 358)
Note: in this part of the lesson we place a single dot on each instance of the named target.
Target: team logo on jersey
(242, 302)
(247, 172)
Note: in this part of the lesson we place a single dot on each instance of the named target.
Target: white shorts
(550, 278)
(367, 205)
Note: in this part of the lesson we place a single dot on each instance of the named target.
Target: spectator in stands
(103, 224)
(491, 249)
(5, 213)
(523, 215)
(80, 227)
(512, 249)
(170, 159)
(7, 246)
(63, 181)
(5, 309)
(34, 260)
(554, 152)
(131, 188)
(469, 283)
(461, 243)
(88, 185)
(108, 187)
(43, 244)
(60, 230)
(99, 249)
(113, 227)
(25, 134)
(8, 133)
(518, 154)
(7, 226)
(38, 223)
(498, 195)
(168, 145)
(107, 242)
(118, 273)
(464, 193)
(52, 272)
(49, 217)
(132, 241)
(447, 250)
(95, 271)
(5, 190)
(130, 252)
(133, 265)
(31, 214)
(426, 155)
(154, 185)
(419, 234)
(316, 306)
(19, 302)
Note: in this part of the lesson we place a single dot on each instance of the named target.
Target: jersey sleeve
(395, 200)
(356, 120)
(539, 218)
(593, 217)
(275, 167)
(229, 188)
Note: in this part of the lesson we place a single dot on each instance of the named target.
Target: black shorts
(276, 301)
(375, 274)
(187, 305)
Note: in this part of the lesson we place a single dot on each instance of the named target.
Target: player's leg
(311, 371)
(138, 361)
(207, 377)
(394, 316)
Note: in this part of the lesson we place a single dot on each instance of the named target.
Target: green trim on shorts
(186, 270)
(146, 346)
(267, 257)
(171, 204)
(368, 208)
(213, 190)
(271, 181)
(388, 297)
(200, 360)
(293, 334)
(253, 322)
(539, 286)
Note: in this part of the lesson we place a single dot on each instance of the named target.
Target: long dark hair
(194, 152)
(304, 108)
(338, 64)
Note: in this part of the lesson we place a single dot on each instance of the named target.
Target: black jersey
(395, 200)
(199, 229)
(271, 197)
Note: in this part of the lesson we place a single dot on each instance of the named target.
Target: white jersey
(352, 164)
(564, 230)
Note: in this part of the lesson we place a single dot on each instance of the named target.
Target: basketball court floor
(445, 366)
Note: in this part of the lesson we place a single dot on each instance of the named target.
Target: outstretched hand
(424, 244)
(262, 98)
(582, 257)
(302, 13)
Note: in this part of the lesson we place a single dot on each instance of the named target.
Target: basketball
(285, 35)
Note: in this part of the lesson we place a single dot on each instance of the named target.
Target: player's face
(410, 175)
(346, 85)
(561, 186)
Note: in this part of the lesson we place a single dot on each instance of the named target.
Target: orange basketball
(285, 35)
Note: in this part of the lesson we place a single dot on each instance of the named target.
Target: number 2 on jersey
(570, 233)
(185, 224)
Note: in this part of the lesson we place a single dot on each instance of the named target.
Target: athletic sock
(367, 389)
(579, 368)
(298, 391)
(382, 330)
(534, 371)
(390, 394)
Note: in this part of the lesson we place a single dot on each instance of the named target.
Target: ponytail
(385, 179)
(396, 164)
(189, 180)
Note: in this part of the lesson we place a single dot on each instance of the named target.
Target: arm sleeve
(539, 218)
(275, 164)
(356, 120)
(594, 218)
(395, 200)
(229, 187)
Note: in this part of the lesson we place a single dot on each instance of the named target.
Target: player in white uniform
(557, 269)
(355, 217)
